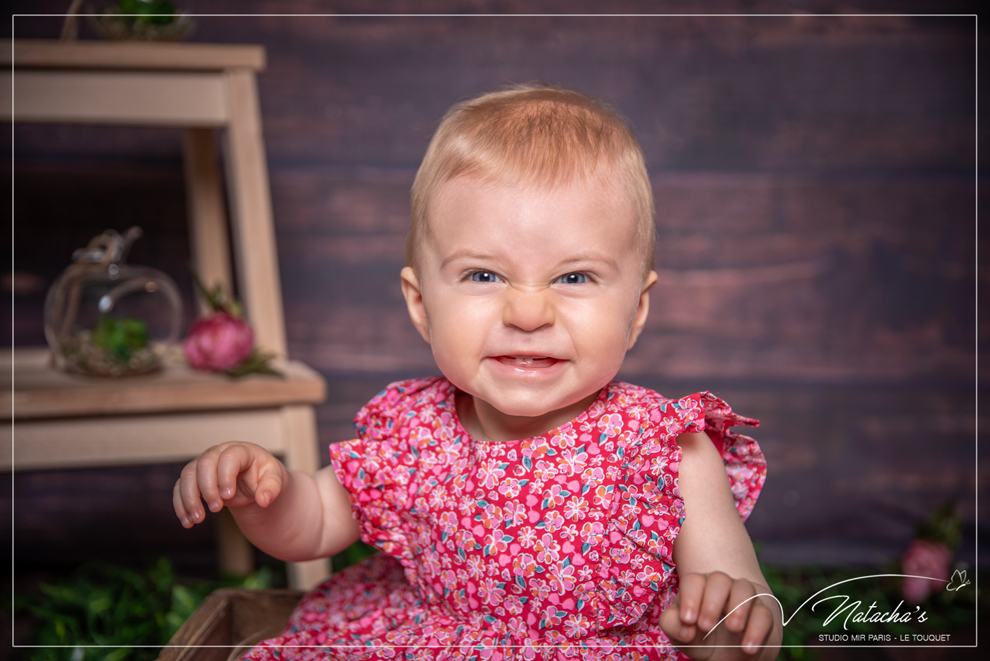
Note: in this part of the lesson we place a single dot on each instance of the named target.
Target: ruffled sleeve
(379, 466)
(744, 461)
(647, 510)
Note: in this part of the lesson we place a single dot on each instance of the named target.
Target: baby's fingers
(186, 496)
(269, 486)
(716, 592)
(758, 628)
(180, 509)
(739, 605)
(207, 479)
(680, 619)
(690, 595)
(672, 624)
(248, 474)
(234, 460)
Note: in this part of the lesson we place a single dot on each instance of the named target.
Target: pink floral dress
(553, 547)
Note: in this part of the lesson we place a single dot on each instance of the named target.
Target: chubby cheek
(602, 361)
(602, 334)
(457, 336)
(452, 356)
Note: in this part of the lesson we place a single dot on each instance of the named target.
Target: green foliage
(128, 614)
(120, 336)
(944, 525)
(217, 298)
(257, 362)
(152, 12)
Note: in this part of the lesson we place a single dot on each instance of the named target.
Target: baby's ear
(642, 310)
(414, 302)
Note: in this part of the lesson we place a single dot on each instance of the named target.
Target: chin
(524, 409)
(517, 404)
(527, 406)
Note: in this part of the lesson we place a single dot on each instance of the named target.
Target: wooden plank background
(816, 213)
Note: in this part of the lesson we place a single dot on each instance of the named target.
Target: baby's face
(530, 299)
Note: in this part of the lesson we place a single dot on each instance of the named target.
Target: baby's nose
(528, 310)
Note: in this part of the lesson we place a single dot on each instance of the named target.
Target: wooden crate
(229, 622)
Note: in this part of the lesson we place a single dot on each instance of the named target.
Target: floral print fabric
(553, 547)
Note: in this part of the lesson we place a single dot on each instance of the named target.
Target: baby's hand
(232, 474)
(703, 600)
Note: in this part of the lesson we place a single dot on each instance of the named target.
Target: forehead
(529, 223)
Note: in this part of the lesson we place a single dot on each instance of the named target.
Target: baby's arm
(287, 514)
(717, 568)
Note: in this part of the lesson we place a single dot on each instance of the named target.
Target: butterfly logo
(958, 581)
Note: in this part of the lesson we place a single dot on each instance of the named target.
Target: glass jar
(105, 317)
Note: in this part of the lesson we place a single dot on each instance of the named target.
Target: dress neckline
(449, 403)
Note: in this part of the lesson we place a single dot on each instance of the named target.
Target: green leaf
(184, 602)
(260, 580)
(217, 298)
(152, 12)
(257, 362)
(120, 336)
(944, 525)
(118, 654)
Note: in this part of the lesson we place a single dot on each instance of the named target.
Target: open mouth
(527, 361)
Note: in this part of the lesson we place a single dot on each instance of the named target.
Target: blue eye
(484, 276)
(573, 279)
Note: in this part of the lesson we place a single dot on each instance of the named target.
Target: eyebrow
(466, 254)
(593, 256)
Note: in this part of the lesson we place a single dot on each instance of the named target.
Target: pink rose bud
(924, 558)
(218, 342)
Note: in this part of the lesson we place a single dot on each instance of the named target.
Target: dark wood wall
(816, 206)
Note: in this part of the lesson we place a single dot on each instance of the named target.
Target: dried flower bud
(218, 342)
(924, 558)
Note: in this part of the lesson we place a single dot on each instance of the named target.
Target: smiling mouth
(527, 361)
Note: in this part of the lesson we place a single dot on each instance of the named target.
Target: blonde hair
(534, 135)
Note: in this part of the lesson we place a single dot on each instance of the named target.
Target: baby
(527, 505)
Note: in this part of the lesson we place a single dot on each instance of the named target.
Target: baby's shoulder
(401, 405)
